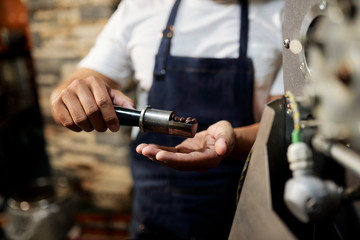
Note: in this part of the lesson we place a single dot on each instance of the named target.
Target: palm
(193, 154)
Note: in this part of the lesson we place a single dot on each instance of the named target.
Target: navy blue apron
(171, 204)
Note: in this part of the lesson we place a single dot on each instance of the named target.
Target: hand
(200, 153)
(87, 104)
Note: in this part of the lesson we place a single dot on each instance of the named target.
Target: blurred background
(74, 185)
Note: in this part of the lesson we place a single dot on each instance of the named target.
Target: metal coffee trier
(155, 120)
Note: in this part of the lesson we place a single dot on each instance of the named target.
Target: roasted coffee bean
(172, 116)
(188, 120)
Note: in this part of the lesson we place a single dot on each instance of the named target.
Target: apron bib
(171, 204)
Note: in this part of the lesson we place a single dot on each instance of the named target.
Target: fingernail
(129, 105)
(113, 127)
(139, 149)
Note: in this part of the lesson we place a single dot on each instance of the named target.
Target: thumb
(120, 99)
(221, 145)
(224, 137)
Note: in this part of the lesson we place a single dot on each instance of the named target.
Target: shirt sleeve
(109, 55)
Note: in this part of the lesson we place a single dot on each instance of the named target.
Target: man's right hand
(86, 102)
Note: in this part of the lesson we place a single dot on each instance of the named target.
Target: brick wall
(63, 32)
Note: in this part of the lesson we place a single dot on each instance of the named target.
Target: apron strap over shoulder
(164, 49)
(168, 32)
(244, 31)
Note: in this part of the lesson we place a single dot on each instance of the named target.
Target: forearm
(244, 140)
(245, 137)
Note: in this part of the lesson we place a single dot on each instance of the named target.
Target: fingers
(183, 160)
(76, 111)
(221, 146)
(186, 161)
(91, 109)
(105, 105)
(140, 147)
(224, 137)
(204, 151)
(162, 153)
(62, 116)
(120, 99)
(87, 104)
(152, 149)
(195, 157)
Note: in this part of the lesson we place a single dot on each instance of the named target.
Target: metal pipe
(155, 120)
(342, 154)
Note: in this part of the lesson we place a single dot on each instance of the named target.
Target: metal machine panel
(290, 193)
(298, 17)
(255, 217)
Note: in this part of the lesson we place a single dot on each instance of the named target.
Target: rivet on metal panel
(323, 5)
(286, 43)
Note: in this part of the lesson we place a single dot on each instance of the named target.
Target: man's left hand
(201, 153)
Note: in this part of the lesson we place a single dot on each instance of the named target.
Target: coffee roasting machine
(303, 175)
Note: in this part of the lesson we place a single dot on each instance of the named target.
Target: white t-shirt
(125, 49)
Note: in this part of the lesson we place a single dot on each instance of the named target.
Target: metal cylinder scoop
(155, 120)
